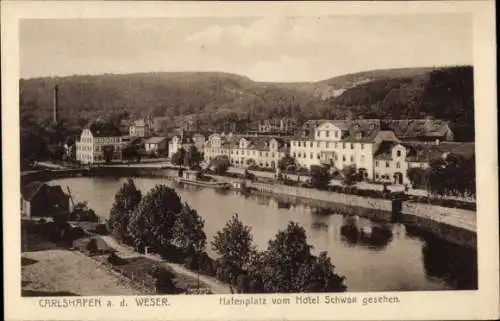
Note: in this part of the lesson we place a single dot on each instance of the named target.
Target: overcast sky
(267, 49)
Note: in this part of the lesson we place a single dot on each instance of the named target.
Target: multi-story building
(99, 143)
(393, 159)
(185, 140)
(141, 128)
(278, 125)
(337, 145)
(244, 151)
(372, 146)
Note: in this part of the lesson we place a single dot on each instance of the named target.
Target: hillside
(217, 99)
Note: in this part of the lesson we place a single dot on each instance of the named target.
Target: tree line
(161, 222)
(223, 101)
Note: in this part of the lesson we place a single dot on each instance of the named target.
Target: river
(396, 258)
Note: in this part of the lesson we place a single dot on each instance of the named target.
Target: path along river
(401, 258)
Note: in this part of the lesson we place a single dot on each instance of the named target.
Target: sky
(264, 49)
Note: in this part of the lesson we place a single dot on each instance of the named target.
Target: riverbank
(461, 222)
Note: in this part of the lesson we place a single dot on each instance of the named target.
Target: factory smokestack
(55, 107)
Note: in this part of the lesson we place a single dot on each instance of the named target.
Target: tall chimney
(55, 106)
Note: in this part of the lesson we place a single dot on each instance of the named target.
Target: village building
(156, 145)
(185, 140)
(42, 200)
(141, 128)
(245, 151)
(99, 142)
(277, 126)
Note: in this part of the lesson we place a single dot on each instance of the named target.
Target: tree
(351, 175)
(152, 222)
(126, 200)
(219, 164)
(178, 157)
(417, 177)
(320, 178)
(188, 230)
(192, 157)
(234, 242)
(289, 266)
(286, 162)
(452, 175)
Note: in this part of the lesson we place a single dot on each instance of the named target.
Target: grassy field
(53, 272)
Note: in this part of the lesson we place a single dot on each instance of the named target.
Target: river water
(394, 258)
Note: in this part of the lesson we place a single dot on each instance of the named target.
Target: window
(336, 134)
(362, 158)
(343, 145)
(362, 146)
(266, 154)
(343, 158)
(352, 159)
(272, 154)
(319, 133)
(398, 153)
(376, 163)
(311, 144)
(336, 157)
(294, 155)
(260, 154)
(336, 145)
(352, 146)
(298, 143)
(377, 176)
(311, 156)
(398, 165)
(318, 156)
(327, 133)
(327, 145)
(387, 164)
(317, 144)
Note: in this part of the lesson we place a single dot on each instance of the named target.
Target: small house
(156, 145)
(41, 200)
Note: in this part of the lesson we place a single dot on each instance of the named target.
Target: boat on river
(193, 178)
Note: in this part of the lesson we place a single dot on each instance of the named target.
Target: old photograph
(250, 155)
(300, 158)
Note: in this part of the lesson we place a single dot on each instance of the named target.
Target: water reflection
(373, 256)
(449, 262)
(374, 236)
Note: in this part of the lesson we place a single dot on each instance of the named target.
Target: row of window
(327, 133)
(318, 156)
(98, 148)
(326, 144)
(387, 164)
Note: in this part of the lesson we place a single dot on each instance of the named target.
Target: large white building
(375, 150)
(99, 143)
(244, 151)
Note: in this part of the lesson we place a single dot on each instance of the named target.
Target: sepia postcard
(249, 161)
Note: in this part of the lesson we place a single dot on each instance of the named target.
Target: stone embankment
(443, 220)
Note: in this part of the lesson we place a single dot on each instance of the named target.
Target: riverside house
(185, 140)
(246, 151)
(41, 200)
(100, 142)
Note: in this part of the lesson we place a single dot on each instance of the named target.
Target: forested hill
(220, 98)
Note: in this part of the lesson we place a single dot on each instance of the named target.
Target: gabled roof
(424, 152)
(412, 128)
(103, 129)
(30, 190)
(155, 140)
